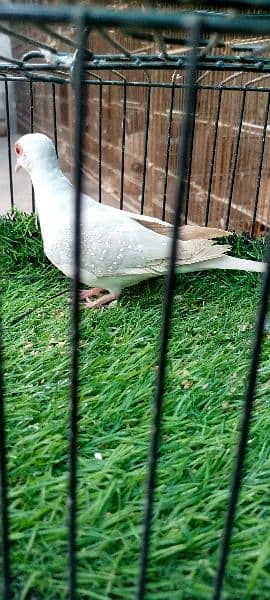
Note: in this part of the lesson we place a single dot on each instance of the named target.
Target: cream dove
(118, 249)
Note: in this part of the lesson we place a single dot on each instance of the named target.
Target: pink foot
(106, 299)
(92, 293)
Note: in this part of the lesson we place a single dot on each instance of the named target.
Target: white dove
(116, 249)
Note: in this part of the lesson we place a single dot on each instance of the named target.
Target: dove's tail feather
(225, 262)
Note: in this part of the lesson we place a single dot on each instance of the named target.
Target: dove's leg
(106, 299)
(92, 293)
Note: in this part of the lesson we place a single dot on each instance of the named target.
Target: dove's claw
(106, 299)
(92, 293)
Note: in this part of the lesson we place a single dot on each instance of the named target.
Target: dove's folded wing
(186, 232)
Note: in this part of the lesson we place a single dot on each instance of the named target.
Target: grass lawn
(207, 374)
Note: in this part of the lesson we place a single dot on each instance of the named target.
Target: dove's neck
(43, 177)
(50, 186)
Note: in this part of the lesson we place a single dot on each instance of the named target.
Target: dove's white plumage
(117, 251)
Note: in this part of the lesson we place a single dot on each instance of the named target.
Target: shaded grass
(207, 372)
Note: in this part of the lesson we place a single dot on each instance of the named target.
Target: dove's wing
(119, 243)
(186, 232)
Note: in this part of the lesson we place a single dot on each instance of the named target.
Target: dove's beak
(17, 167)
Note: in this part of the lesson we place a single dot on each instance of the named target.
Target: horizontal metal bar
(177, 61)
(97, 17)
(137, 62)
(35, 77)
(28, 67)
(236, 88)
(118, 66)
(250, 46)
(171, 59)
(253, 4)
(259, 66)
(60, 80)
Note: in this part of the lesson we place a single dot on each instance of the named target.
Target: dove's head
(35, 151)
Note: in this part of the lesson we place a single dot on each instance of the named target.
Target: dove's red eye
(18, 149)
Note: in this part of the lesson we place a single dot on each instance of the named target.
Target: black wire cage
(197, 40)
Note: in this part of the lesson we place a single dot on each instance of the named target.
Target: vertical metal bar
(123, 144)
(244, 432)
(75, 315)
(260, 165)
(147, 120)
(54, 120)
(168, 150)
(3, 485)
(100, 144)
(167, 307)
(31, 130)
(213, 159)
(190, 155)
(3, 451)
(9, 148)
(235, 158)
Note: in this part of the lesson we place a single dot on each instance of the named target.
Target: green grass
(207, 372)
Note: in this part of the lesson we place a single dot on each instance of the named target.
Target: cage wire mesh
(163, 76)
